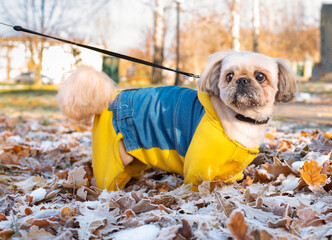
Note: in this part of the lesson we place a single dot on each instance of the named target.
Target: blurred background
(174, 33)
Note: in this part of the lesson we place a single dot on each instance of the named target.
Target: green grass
(28, 100)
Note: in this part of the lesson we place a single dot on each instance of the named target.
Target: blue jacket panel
(162, 117)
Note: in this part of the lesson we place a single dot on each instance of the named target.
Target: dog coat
(172, 128)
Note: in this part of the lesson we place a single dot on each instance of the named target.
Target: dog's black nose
(243, 81)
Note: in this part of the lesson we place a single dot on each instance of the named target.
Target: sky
(129, 20)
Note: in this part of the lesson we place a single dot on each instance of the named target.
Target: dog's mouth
(245, 98)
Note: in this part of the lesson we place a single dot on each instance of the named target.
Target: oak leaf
(278, 168)
(237, 225)
(309, 217)
(36, 233)
(310, 173)
(76, 178)
(9, 159)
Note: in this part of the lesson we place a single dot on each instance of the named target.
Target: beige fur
(280, 86)
(85, 93)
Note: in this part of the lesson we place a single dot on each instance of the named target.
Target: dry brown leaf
(328, 187)
(226, 205)
(278, 168)
(262, 177)
(81, 193)
(185, 230)
(28, 211)
(310, 172)
(261, 234)
(270, 136)
(130, 214)
(204, 189)
(309, 217)
(9, 159)
(3, 217)
(144, 205)
(6, 234)
(327, 168)
(165, 209)
(76, 178)
(66, 213)
(322, 143)
(36, 234)
(30, 183)
(284, 223)
(237, 225)
(284, 145)
(168, 233)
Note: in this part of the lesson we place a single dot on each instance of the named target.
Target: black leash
(106, 52)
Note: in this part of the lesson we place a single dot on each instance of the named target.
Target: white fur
(247, 134)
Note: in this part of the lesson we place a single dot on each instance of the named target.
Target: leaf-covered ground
(47, 190)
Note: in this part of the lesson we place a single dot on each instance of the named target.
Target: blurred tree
(48, 17)
(158, 40)
(256, 24)
(236, 25)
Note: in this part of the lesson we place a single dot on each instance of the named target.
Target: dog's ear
(208, 82)
(287, 82)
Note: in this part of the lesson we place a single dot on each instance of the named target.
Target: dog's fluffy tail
(85, 93)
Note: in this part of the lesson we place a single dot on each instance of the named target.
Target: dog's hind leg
(125, 157)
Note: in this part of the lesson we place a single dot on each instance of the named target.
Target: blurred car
(29, 78)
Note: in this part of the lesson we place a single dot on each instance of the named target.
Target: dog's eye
(260, 77)
(229, 76)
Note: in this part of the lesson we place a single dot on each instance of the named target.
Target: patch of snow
(145, 232)
(38, 194)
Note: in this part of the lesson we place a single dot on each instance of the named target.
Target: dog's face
(249, 83)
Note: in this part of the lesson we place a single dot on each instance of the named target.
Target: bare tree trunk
(8, 58)
(236, 25)
(38, 69)
(256, 24)
(178, 9)
(158, 41)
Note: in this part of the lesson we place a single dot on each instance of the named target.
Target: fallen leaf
(185, 230)
(204, 189)
(9, 159)
(76, 178)
(3, 217)
(310, 172)
(36, 234)
(237, 225)
(284, 223)
(168, 233)
(144, 205)
(6, 234)
(309, 217)
(278, 168)
(81, 193)
(30, 183)
(66, 213)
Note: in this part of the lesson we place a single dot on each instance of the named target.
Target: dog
(207, 135)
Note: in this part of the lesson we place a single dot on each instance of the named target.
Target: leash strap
(106, 52)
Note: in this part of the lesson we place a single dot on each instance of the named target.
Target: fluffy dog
(209, 134)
